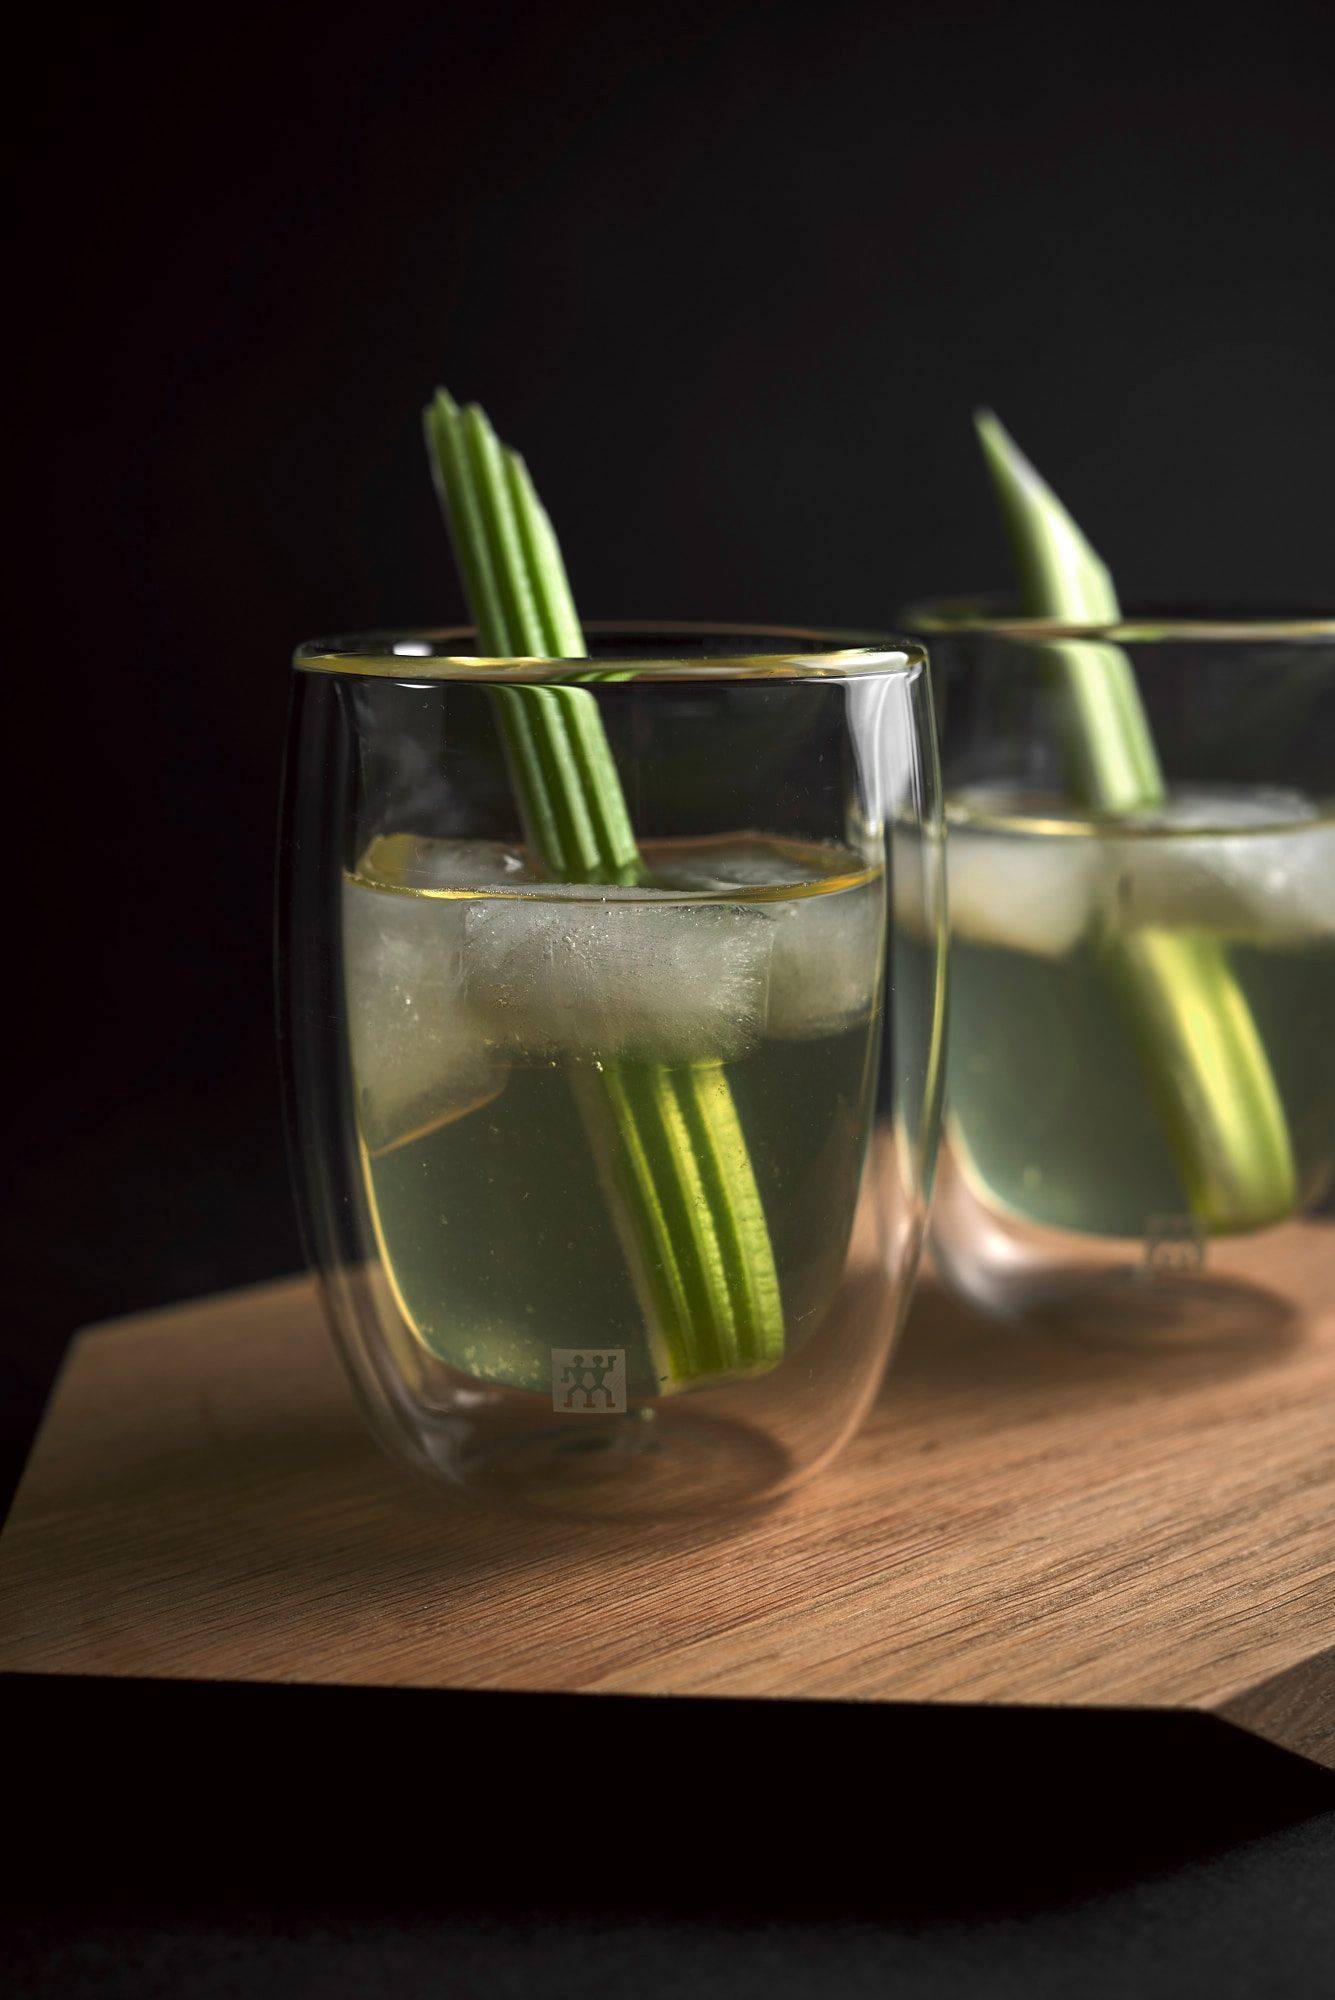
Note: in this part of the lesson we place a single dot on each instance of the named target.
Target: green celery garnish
(1204, 1061)
(668, 1140)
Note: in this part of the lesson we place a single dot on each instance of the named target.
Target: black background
(733, 278)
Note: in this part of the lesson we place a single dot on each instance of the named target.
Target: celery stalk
(668, 1141)
(1205, 1065)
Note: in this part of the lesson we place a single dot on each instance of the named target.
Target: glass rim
(774, 652)
(993, 617)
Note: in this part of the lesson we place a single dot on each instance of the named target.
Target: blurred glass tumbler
(1141, 1074)
(615, 1189)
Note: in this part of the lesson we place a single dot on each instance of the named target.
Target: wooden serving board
(1025, 1519)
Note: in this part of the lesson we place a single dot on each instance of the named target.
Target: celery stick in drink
(676, 1162)
(1204, 1070)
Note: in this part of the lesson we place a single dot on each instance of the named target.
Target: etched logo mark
(588, 1381)
(1174, 1243)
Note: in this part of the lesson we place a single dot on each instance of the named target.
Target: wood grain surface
(1025, 1518)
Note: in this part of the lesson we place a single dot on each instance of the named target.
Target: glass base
(650, 1463)
(586, 1448)
(1174, 1287)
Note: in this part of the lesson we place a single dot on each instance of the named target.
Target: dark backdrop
(733, 278)
(734, 281)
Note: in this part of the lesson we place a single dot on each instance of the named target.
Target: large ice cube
(741, 861)
(1227, 867)
(419, 861)
(418, 1055)
(614, 974)
(827, 946)
(1021, 892)
(825, 969)
(1254, 866)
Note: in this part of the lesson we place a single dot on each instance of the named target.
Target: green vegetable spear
(1204, 1062)
(668, 1140)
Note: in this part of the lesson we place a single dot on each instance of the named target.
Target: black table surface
(207, 1839)
(193, 1839)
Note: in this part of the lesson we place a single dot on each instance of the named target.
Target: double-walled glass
(615, 1186)
(1140, 1117)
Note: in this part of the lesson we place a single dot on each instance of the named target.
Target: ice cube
(605, 975)
(1021, 892)
(825, 968)
(1253, 866)
(827, 946)
(1263, 884)
(417, 861)
(741, 861)
(418, 1056)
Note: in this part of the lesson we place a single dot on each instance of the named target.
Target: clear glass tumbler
(615, 1185)
(1140, 1120)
